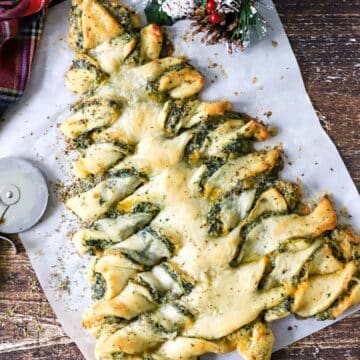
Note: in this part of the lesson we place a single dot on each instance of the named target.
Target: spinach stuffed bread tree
(198, 242)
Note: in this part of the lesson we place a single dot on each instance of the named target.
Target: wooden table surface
(325, 35)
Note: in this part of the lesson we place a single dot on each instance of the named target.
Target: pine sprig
(249, 21)
(155, 14)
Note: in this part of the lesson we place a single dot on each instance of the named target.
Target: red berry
(214, 18)
(211, 5)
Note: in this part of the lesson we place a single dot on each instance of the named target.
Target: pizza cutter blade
(23, 195)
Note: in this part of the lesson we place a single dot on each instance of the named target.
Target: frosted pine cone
(228, 6)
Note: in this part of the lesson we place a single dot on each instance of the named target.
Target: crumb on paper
(65, 285)
(39, 253)
(223, 72)
(254, 80)
(344, 212)
(59, 190)
(59, 284)
(212, 64)
(215, 65)
(268, 114)
(274, 43)
(187, 36)
(274, 130)
(236, 93)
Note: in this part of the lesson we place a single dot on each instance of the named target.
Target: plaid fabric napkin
(21, 22)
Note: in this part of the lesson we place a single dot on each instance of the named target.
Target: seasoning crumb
(65, 285)
(274, 130)
(290, 328)
(274, 43)
(212, 64)
(343, 212)
(254, 80)
(187, 36)
(268, 113)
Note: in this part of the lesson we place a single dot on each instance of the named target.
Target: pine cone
(215, 33)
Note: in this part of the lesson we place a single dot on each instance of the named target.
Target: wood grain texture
(325, 36)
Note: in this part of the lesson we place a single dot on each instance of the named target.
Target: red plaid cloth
(21, 23)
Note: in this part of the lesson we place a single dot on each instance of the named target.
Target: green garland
(249, 22)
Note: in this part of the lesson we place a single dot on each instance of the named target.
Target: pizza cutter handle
(3, 209)
(10, 242)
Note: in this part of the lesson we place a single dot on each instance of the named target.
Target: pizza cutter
(23, 195)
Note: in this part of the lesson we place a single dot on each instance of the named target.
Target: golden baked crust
(198, 243)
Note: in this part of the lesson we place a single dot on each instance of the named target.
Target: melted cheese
(219, 315)
(111, 53)
(154, 154)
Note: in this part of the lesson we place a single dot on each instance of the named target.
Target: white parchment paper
(262, 79)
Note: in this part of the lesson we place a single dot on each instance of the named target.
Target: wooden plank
(321, 34)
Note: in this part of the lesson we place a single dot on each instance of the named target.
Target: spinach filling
(95, 101)
(75, 14)
(185, 286)
(197, 141)
(84, 140)
(238, 146)
(177, 112)
(86, 65)
(127, 172)
(96, 245)
(115, 320)
(152, 87)
(215, 224)
(155, 248)
(99, 286)
(119, 356)
(182, 309)
(141, 207)
(146, 207)
(212, 165)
